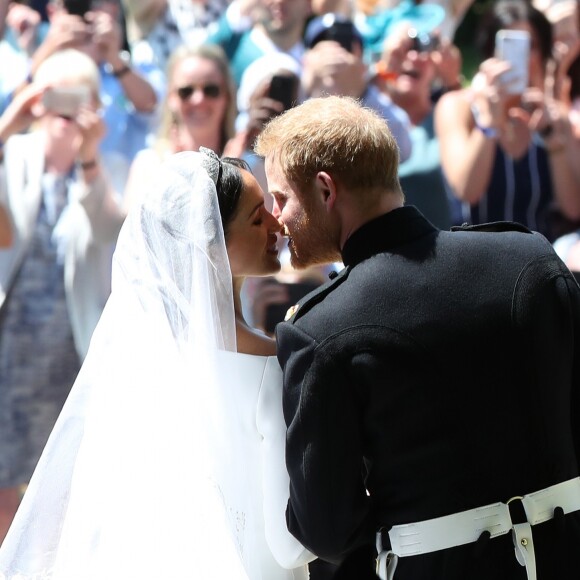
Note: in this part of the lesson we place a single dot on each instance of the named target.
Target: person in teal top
(378, 26)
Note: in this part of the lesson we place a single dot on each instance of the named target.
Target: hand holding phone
(513, 46)
(284, 88)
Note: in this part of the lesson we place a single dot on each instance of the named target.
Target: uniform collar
(382, 234)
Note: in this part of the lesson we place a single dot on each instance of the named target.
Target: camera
(422, 41)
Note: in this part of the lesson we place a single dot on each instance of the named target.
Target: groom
(436, 376)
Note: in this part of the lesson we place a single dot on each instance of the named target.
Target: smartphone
(513, 46)
(284, 88)
(66, 101)
(275, 313)
(77, 7)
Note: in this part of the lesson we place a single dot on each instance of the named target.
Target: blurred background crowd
(94, 94)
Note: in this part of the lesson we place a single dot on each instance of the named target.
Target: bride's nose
(274, 225)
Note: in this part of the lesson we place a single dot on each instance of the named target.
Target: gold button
(524, 541)
(291, 312)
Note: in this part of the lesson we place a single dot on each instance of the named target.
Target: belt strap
(467, 526)
(524, 547)
(386, 564)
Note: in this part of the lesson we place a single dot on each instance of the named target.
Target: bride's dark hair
(229, 188)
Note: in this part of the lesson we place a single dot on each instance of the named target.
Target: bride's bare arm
(252, 341)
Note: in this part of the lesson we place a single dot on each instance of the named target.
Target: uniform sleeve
(329, 509)
(572, 292)
(547, 308)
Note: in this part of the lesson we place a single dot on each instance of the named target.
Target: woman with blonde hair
(199, 110)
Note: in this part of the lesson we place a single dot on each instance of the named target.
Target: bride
(167, 460)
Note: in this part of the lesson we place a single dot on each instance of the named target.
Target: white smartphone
(513, 46)
(66, 101)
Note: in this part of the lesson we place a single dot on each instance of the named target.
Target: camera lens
(422, 42)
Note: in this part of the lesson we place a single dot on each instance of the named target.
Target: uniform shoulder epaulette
(314, 297)
(504, 226)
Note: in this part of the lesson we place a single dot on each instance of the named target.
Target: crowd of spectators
(94, 94)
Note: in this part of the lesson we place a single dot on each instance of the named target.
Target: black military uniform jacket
(440, 372)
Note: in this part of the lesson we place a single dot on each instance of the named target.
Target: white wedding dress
(167, 460)
(256, 391)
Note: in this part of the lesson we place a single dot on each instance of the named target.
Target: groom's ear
(326, 188)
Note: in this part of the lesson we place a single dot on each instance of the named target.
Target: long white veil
(136, 479)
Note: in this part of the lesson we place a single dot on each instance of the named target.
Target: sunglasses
(210, 91)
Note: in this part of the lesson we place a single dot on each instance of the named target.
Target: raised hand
(21, 111)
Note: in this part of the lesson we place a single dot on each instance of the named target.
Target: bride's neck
(237, 284)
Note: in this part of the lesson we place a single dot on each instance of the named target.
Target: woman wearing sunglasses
(199, 111)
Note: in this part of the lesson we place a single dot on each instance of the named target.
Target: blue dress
(38, 359)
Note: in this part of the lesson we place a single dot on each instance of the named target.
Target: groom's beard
(311, 241)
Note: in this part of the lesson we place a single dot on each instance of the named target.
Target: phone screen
(283, 88)
(513, 46)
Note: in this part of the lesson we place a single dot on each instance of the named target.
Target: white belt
(466, 527)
